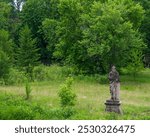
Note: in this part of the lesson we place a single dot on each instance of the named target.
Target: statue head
(113, 68)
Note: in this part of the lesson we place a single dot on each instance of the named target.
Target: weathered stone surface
(114, 83)
(113, 106)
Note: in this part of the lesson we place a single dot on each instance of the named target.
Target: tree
(27, 55)
(92, 38)
(110, 32)
(89, 35)
(68, 31)
(5, 11)
(10, 19)
(4, 65)
(6, 53)
(145, 30)
(33, 14)
(6, 44)
(49, 28)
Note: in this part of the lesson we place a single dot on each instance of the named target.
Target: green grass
(91, 91)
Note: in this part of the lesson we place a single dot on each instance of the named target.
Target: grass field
(91, 92)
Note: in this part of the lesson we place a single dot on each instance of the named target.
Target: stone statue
(114, 84)
(113, 104)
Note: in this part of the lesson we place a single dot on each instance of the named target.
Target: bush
(15, 77)
(135, 65)
(44, 73)
(16, 108)
(67, 112)
(103, 79)
(39, 73)
(67, 96)
(53, 72)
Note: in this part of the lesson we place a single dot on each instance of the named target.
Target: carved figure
(114, 84)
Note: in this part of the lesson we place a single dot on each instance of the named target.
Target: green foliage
(90, 105)
(6, 55)
(68, 112)
(15, 108)
(92, 41)
(5, 11)
(145, 29)
(40, 73)
(88, 35)
(67, 99)
(53, 72)
(83, 36)
(34, 13)
(111, 33)
(135, 64)
(46, 73)
(15, 77)
(67, 96)
(103, 79)
(4, 65)
(49, 27)
(28, 90)
(6, 44)
(68, 31)
(27, 55)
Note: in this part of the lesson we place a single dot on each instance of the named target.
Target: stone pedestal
(113, 106)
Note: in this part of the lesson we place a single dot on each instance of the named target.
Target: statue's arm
(110, 76)
(117, 77)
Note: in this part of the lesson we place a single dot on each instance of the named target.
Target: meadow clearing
(91, 91)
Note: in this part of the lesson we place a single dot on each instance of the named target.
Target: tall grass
(91, 91)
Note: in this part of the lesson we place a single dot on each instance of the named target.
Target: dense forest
(87, 35)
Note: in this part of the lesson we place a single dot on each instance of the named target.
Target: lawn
(91, 91)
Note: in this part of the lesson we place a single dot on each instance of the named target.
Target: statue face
(113, 68)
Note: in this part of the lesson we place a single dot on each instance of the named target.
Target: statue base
(113, 106)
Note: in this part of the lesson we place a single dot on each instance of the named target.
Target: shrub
(53, 72)
(15, 77)
(136, 64)
(16, 108)
(44, 73)
(67, 96)
(103, 79)
(67, 112)
(40, 73)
